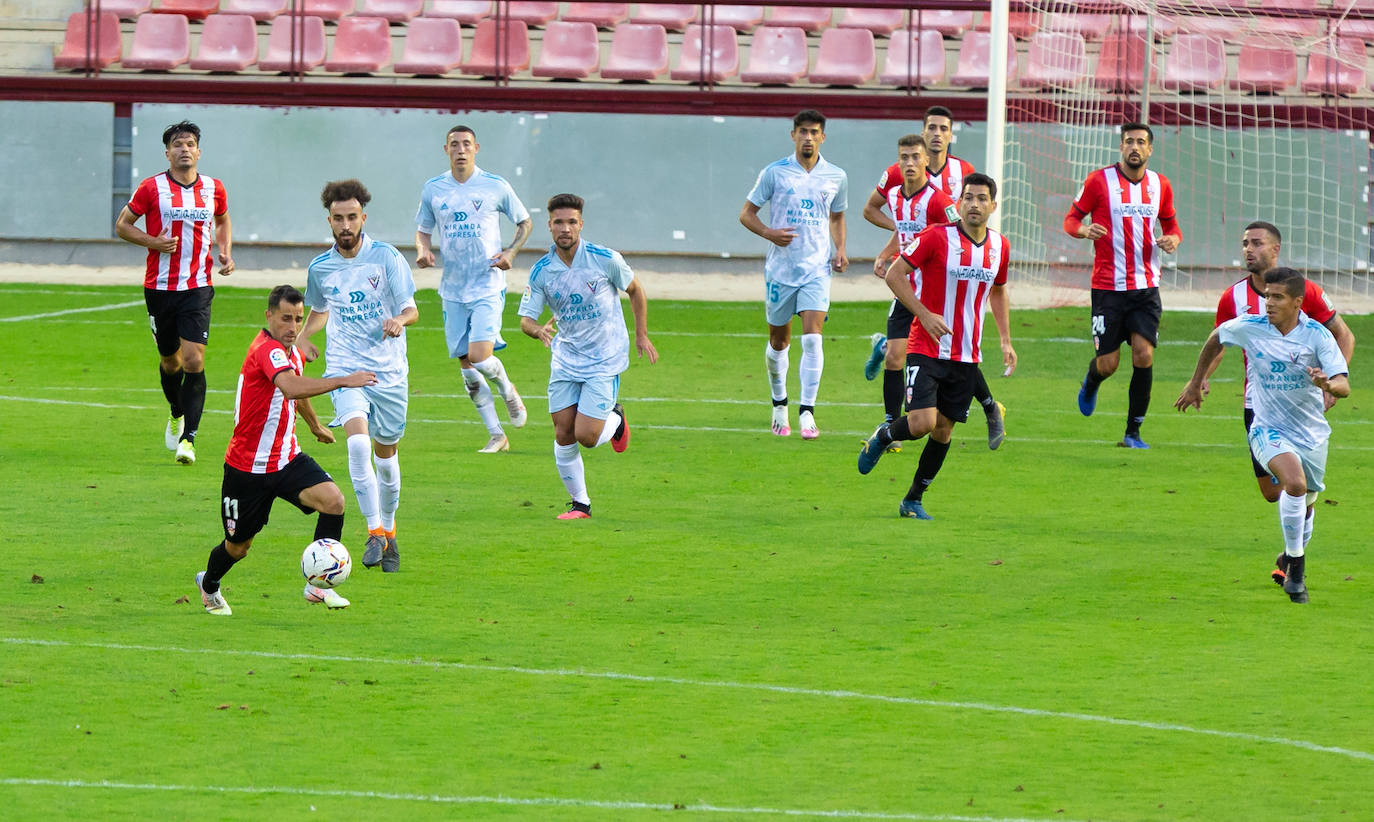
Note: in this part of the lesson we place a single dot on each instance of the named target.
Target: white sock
(777, 370)
(608, 430)
(389, 488)
(493, 370)
(481, 397)
(812, 363)
(1307, 526)
(364, 478)
(568, 458)
(1291, 517)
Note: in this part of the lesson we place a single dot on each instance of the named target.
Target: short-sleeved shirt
(585, 300)
(954, 276)
(264, 438)
(928, 207)
(1127, 258)
(1285, 397)
(361, 293)
(190, 212)
(1242, 298)
(802, 201)
(467, 219)
(949, 178)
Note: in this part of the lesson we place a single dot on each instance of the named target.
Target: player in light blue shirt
(580, 283)
(806, 198)
(362, 294)
(464, 207)
(1293, 359)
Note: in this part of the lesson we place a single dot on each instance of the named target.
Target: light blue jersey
(802, 201)
(360, 293)
(466, 218)
(1285, 398)
(585, 300)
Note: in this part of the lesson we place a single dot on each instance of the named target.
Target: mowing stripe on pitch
(110, 307)
(706, 683)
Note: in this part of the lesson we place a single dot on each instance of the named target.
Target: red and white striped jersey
(949, 178)
(929, 206)
(264, 437)
(955, 276)
(1127, 258)
(1242, 298)
(190, 212)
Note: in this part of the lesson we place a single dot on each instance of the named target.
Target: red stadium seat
(467, 12)
(973, 68)
(638, 52)
(161, 43)
(106, 46)
(393, 11)
(778, 55)
(515, 51)
(434, 45)
(696, 64)
(671, 17)
(1056, 59)
(948, 23)
(531, 13)
(1340, 70)
(1224, 27)
(1021, 24)
(326, 9)
(810, 19)
(570, 51)
(260, 10)
(1121, 62)
(847, 57)
(192, 9)
(877, 21)
(309, 41)
(743, 19)
(1197, 62)
(1264, 67)
(601, 15)
(362, 45)
(126, 9)
(914, 59)
(1087, 26)
(228, 42)
(1359, 29)
(1162, 27)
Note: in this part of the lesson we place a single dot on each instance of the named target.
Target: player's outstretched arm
(297, 387)
(224, 241)
(312, 420)
(899, 283)
(1001, 315)
(393, 326)
(889, 250)
(639, 306)
(127, 231)
(424, 250)
(313, 323)
(838, 235)
(749, 218)
(873, 212)
(1337, 386)
(544, 333)
(505, 258)
(1345, 338)
(1195, 389)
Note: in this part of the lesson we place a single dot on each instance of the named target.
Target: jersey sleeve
(1317, 305)
(1087, 198)
(1235, 332)
(890, 176)
(314, 293)
(1001, 278)
(424, 217)
(272, 359)
(841, 201)
(920, 250)
(1226, 308)
(762, 191)
(532, 301)
(941, 210)
(618, 271)
(221, 200)
(400, 281)
(1329, 355)
(512, 206)
(144, 199)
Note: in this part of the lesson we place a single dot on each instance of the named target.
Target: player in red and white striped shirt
(1125, 202)
(963, 270)
(264, 462)
(185, 215)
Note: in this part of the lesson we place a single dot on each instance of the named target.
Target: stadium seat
(1265, 68)
(743, 19)
(105, 52)
(161, 43)
(1056, 59)
(948, 23)
(571, 51)
(1360, 29)
(671, 17)
(1340, 71)
(1021, 24)
(326, 9)
(530, 13)
(515, 54)
(309, 40)
(877, 21)
(778, 55)
(434, 45)
(259, 10)
(696, 64)
(228, 42)
(1121, 62)
(601, 15)
(846, 57)
(809, 19)
(638, 52)
(362, 45)
(1224, 27)
(192, 9)
(1197, 62)
(914, 59)
(974, 63)
(1088, 26)
(1161, 27)
(467, 12)
(126, 9)
(393, 11)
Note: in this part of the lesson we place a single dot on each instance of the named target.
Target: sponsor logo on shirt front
(186, 213)
(973, 272)
(1136, 209)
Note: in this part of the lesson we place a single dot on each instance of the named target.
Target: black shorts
(899, 321)
(1254, 463)
(944, 385)
(246, 499)
(1118, 314)
(178, 315)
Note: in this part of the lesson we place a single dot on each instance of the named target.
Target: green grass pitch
(744, 630)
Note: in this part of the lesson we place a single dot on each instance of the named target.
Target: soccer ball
(326, 563)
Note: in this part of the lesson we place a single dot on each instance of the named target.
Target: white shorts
(384, 408)
(477, 321)
(783, 302)
(1267, 443)
(594, 397)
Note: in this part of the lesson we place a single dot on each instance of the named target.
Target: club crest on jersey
(476, 205)
(375, 282)
(591, 286)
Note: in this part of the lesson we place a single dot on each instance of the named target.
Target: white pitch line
(704, 683)
(542, 801)
(110, 307)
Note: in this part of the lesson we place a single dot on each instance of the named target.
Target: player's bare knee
(895, 358)
(1106, 366)
(1296, 487)
(170, 363)
(237, 550)
(193, 361)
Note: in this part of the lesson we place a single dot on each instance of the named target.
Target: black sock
(1094, 379)
(216, 567)
(981, 392)
(193, 402)
(894, 385)
(171, 389)
(1141, 381)
(782, 402)
(329, 526)
(932, 457)
(899, 429)
(802, 409)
